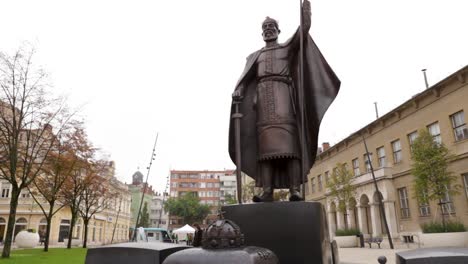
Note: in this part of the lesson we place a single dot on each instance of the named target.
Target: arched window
(42, 228)
(94, 232)
(64, 229)
(77, 229)
(20, 225)
(2, 228)
(100, 232)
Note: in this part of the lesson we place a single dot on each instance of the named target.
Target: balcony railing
(379, 173)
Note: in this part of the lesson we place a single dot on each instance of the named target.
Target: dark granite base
(295, 231)
(433, 256)
(141, 253)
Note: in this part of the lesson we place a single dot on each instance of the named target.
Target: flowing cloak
(321, 86)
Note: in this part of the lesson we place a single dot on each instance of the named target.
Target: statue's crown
(270, 20)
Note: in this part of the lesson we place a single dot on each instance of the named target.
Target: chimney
(325, 146)
(425, 78)
(319, 150)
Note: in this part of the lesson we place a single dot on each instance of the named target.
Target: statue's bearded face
(270, 31)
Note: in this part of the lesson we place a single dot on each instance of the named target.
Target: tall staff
(237, 118)
(144, 188)
(381, 206)
(301, 99)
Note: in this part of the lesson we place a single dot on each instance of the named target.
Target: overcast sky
(170, 66)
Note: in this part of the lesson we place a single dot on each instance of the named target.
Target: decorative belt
(276, 78)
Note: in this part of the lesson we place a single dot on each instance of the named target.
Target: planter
(346, 241)
(75, 241)
(25, 239)
(452, 239)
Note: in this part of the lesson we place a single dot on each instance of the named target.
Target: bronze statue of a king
(271, 148)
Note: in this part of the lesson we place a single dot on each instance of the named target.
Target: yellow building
(101, 227)
(442, 110)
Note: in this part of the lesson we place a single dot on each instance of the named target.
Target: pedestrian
(197, 240)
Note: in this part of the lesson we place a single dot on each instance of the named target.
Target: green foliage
(230, 199)
(341, 185)
(144, 217)
(248, 191)
(347, 232)
(188, 207)
(32, 230)
(53, 256)
(430, 169)
(435, 227)
(280, 195)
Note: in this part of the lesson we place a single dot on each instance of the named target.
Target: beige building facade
(112, 222)
(442, 109)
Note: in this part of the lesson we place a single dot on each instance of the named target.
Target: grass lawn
(54, 256)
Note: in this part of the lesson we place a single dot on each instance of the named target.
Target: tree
(95, 196)
(75, 184)
(341, 187)
(187, 207)
(58, 166)
(280, 195)
(248, 191)
(30, 122)
(144, 218)
(432, 179)
(230, 199)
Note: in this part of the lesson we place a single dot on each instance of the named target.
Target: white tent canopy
(186, 229)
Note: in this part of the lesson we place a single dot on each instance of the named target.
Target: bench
(376, 240)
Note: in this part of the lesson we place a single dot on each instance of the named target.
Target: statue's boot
(294, 181)
(267, 194)
(295, 195)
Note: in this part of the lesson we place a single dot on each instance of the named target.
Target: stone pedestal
(124, 253)
(295, 231)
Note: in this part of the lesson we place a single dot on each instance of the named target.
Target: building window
(381, 156)
(397, 156)
(313, 184)
(447, 205)
(367, 162)
(411, 138)
(356, 167)
(424, 209)
(404, 204)
(319, 182)
(459, 126)
(434, 130)
(465, 180)
(5, 190)
(25, 194)
(327, 177)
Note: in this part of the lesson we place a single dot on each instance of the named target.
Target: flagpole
(153, 154)
(301, 99)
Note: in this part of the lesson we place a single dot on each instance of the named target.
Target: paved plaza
(369, 255)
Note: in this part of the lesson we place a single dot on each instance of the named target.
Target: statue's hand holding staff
(237, 95)
(306, 15)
